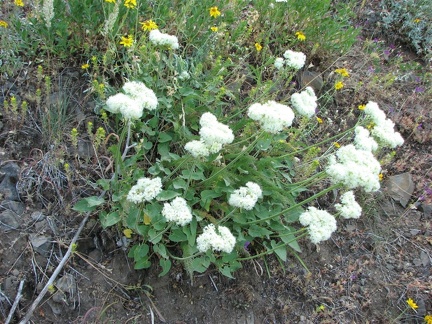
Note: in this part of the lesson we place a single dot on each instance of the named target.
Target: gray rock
(311, 79)
(37, 216)
(85, 149)
(15, 206)
(400, 187)
(9, 220)
(9, 173)
(40, 243)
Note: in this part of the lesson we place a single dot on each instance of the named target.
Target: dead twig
(15, 304)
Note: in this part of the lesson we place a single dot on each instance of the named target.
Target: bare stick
(15, 304)
(55, 273)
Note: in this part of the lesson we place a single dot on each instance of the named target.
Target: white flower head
(320, 223)
(354, 168)
(305, 102)
(385, 134)
(272, 116)
(246, 197)
(295, 60)
(363, 141)
(197, 149)
(128, 107)
(138, 91)
(218, 240)
(177, 211)
(374, 112)
(279, 63)
(146, 189)
(164, 40)
(349, 208)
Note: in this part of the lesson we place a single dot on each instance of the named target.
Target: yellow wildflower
(110, 1)
(300, 36)
(85, 66)
(344, 72)
(336, 144)
(339, 85)
(3, 24)
(319, 120)
(128, 233)
(214, 29)
(362, 107)
(428, 319)
(258, 47)
(148, 25)
(417, 20)
(380, 176)
(19, 3)
(411, 303)
(130, 4)
(126, 41)
(214, 12)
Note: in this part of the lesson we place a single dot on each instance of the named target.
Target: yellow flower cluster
(85, 66)
(428, 319)
(148, 25)
(3, 24)
(300, 36)
(339, 85)
(214, 29)
(214, 12)
(19, 3)
(131, 4)
(343, 72)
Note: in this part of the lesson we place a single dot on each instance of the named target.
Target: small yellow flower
(428, 319)
(417, 20)
(19, 3)
(130, 4)
(411, 303)
(126, 41)
(110, 1)
(380, 176)
(339, 85)
(127, 232)
(51, 289)
(370, 125)
(258, 47)
(319, 120)
(336, 144)
(214, 29)
(361, 107)
(74, 247)
(85, 66)
(300, 36)
(149, 25)
(3, 24)
(344, 72)
(214, 12)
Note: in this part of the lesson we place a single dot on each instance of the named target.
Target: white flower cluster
(222, 240)
(363, 141)
(295, 60)
(383, 129)
(321, 224)
(246, 197)
(177, 211)
(165, 40)
(272, 116)
(305, 102)
(354, 168)
(349, 208)
(213, 136)
(48, 11)
(146, 189)
(137, 97)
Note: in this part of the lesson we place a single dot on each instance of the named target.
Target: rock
(85, 149)
(66, 291)
(400, 187)
(426, 209)
(40, 243)
(311, 79)
(37, 216)
(15, 206)
(9, 220)
(10, 175)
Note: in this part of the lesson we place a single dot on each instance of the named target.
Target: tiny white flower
(295, 60)
(320, 223)
(374, 112)
(161, 39)
(385, 134)
(363, 141)
(272, 116)
(245, 197)
(146, 189)
(177, 211)
(279, 63)
(349, 208)
(218, 240)
(305, 102)
(197, 149)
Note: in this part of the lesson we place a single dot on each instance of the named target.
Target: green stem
(319, 194)
(177, 167)
(185, 258)
(250, 147)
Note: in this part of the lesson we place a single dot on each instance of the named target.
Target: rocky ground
(364, 274)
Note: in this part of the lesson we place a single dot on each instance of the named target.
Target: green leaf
(200, 264)
(104, 183)
(206, 198)
(177, 235)
(180, 184)
(164, 137)
(197, 175)
(142, 264)
(166, 266)
(264, 144)
(154, 236)
(133, 217)
(88, 204)
(167, 195)
(280, 250)
(161, 250)
(226, 271)
(94, 201)
(258, 231)
(140, 251)
(109, 219)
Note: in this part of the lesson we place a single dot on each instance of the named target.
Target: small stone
(424, 257)
(414, 232)
(40, 243)
(9, 174)
(15, 272)
(15, 206)
(400, 187)
(9, 221)
(311, 79)
(37, 216)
